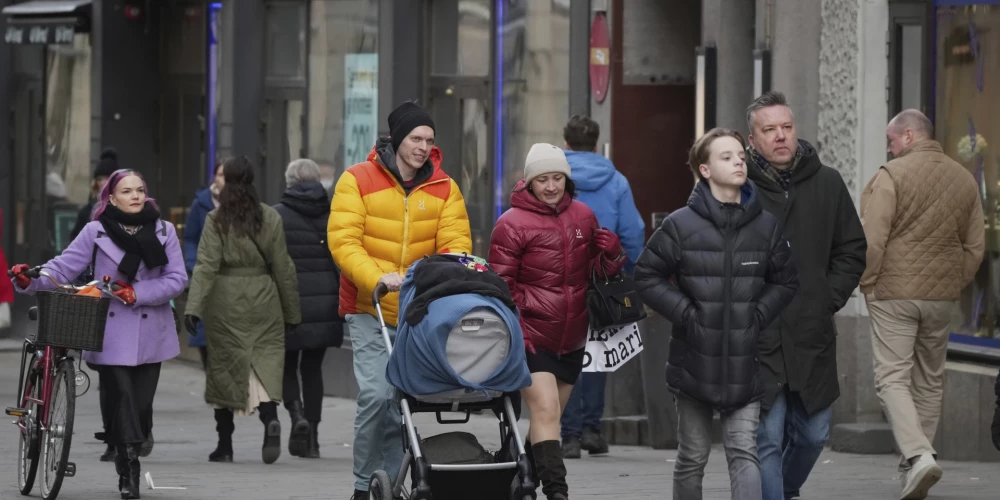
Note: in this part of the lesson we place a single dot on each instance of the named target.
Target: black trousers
(308, 363)
(127, 401)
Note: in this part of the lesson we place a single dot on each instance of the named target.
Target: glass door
(459, 89)
(284, 142)
(463, 127)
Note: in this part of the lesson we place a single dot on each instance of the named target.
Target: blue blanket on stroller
(419, 364)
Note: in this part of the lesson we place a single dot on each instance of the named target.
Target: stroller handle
(381, 290)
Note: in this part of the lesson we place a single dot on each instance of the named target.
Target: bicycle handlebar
(105, 285)
(32, 273)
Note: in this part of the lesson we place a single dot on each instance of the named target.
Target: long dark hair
(239, 205)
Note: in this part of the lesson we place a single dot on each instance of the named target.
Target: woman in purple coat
(129, 242)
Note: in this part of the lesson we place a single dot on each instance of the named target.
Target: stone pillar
(795, 26)
(245, 39)
(728, 25)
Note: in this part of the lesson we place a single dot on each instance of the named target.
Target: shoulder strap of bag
(261, 252)
(88, 275)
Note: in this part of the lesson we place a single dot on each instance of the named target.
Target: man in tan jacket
(924, 223)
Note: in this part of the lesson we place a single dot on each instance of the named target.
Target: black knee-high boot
(224, 426)
(130, 482)
(121, 467)
(551, 469)
(531, 460)
(271, 449)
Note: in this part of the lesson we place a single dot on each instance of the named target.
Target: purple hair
(104, 198)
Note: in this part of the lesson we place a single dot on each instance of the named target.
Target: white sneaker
(923, 475)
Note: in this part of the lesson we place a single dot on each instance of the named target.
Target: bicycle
(69, 318)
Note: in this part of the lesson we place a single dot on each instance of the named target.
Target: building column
(126, 74)
(408, 44)
(244, 38)
(728, 25)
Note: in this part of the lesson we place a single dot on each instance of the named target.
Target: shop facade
(174, 85)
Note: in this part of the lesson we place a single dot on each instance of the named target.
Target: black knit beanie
(107, 164)
(404, 119)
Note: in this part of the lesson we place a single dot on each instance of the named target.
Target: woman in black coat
(304, 209)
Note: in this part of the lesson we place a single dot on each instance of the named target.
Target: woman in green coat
(244, 286)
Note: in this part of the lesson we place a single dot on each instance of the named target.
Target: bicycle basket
(71, 321)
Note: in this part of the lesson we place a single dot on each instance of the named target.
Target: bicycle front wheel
(29, 440)
(58, 434)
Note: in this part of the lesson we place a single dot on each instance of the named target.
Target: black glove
(290, 328)
(995, 428)
(191, 324)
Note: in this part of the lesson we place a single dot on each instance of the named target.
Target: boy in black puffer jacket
(720, 271)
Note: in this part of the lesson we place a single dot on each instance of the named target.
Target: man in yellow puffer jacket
(387, 213)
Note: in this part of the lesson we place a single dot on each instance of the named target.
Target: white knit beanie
(544, 159)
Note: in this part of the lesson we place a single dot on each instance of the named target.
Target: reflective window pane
(968, 128)
(460, 34)
(343, 81)
(67, 136)
(462, 133)
(286, 41)
(535, 100)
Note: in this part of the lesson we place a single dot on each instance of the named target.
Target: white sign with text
(360, 106)
(610, 348)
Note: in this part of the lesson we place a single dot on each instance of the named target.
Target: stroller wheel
(380, 486)
(516, 493)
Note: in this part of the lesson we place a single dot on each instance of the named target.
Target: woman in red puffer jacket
(545, 248)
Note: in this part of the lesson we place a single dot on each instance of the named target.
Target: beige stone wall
(837, 138)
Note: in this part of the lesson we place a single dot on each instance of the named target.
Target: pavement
(184, 429)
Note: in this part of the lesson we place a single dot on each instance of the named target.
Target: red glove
(125, 292)
(528, 346)
(19, 278)
(608, 243)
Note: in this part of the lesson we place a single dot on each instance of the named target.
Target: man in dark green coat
(798, 352)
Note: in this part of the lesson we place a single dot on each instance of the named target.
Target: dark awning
(46, 21)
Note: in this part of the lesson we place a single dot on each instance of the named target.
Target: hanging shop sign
(41, 32)
(600, 57)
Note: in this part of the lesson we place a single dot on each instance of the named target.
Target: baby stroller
(443, 467)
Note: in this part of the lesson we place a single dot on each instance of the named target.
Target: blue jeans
(585, 406)
(378, 436)
(784, 469)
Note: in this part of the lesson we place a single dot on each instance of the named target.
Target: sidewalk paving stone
(185, 434)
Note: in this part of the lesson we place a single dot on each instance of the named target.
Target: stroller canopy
(466, 336)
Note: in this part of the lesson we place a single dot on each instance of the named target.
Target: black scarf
(143, 245)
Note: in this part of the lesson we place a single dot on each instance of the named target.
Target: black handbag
(613, 301)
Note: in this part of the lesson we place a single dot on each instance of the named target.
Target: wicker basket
(71, 321)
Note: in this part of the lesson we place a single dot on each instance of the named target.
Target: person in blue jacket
(608, 194)
(205, 200)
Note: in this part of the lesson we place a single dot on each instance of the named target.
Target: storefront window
(967, 69)
(534, 101)
(67, 130)
(343, 81)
